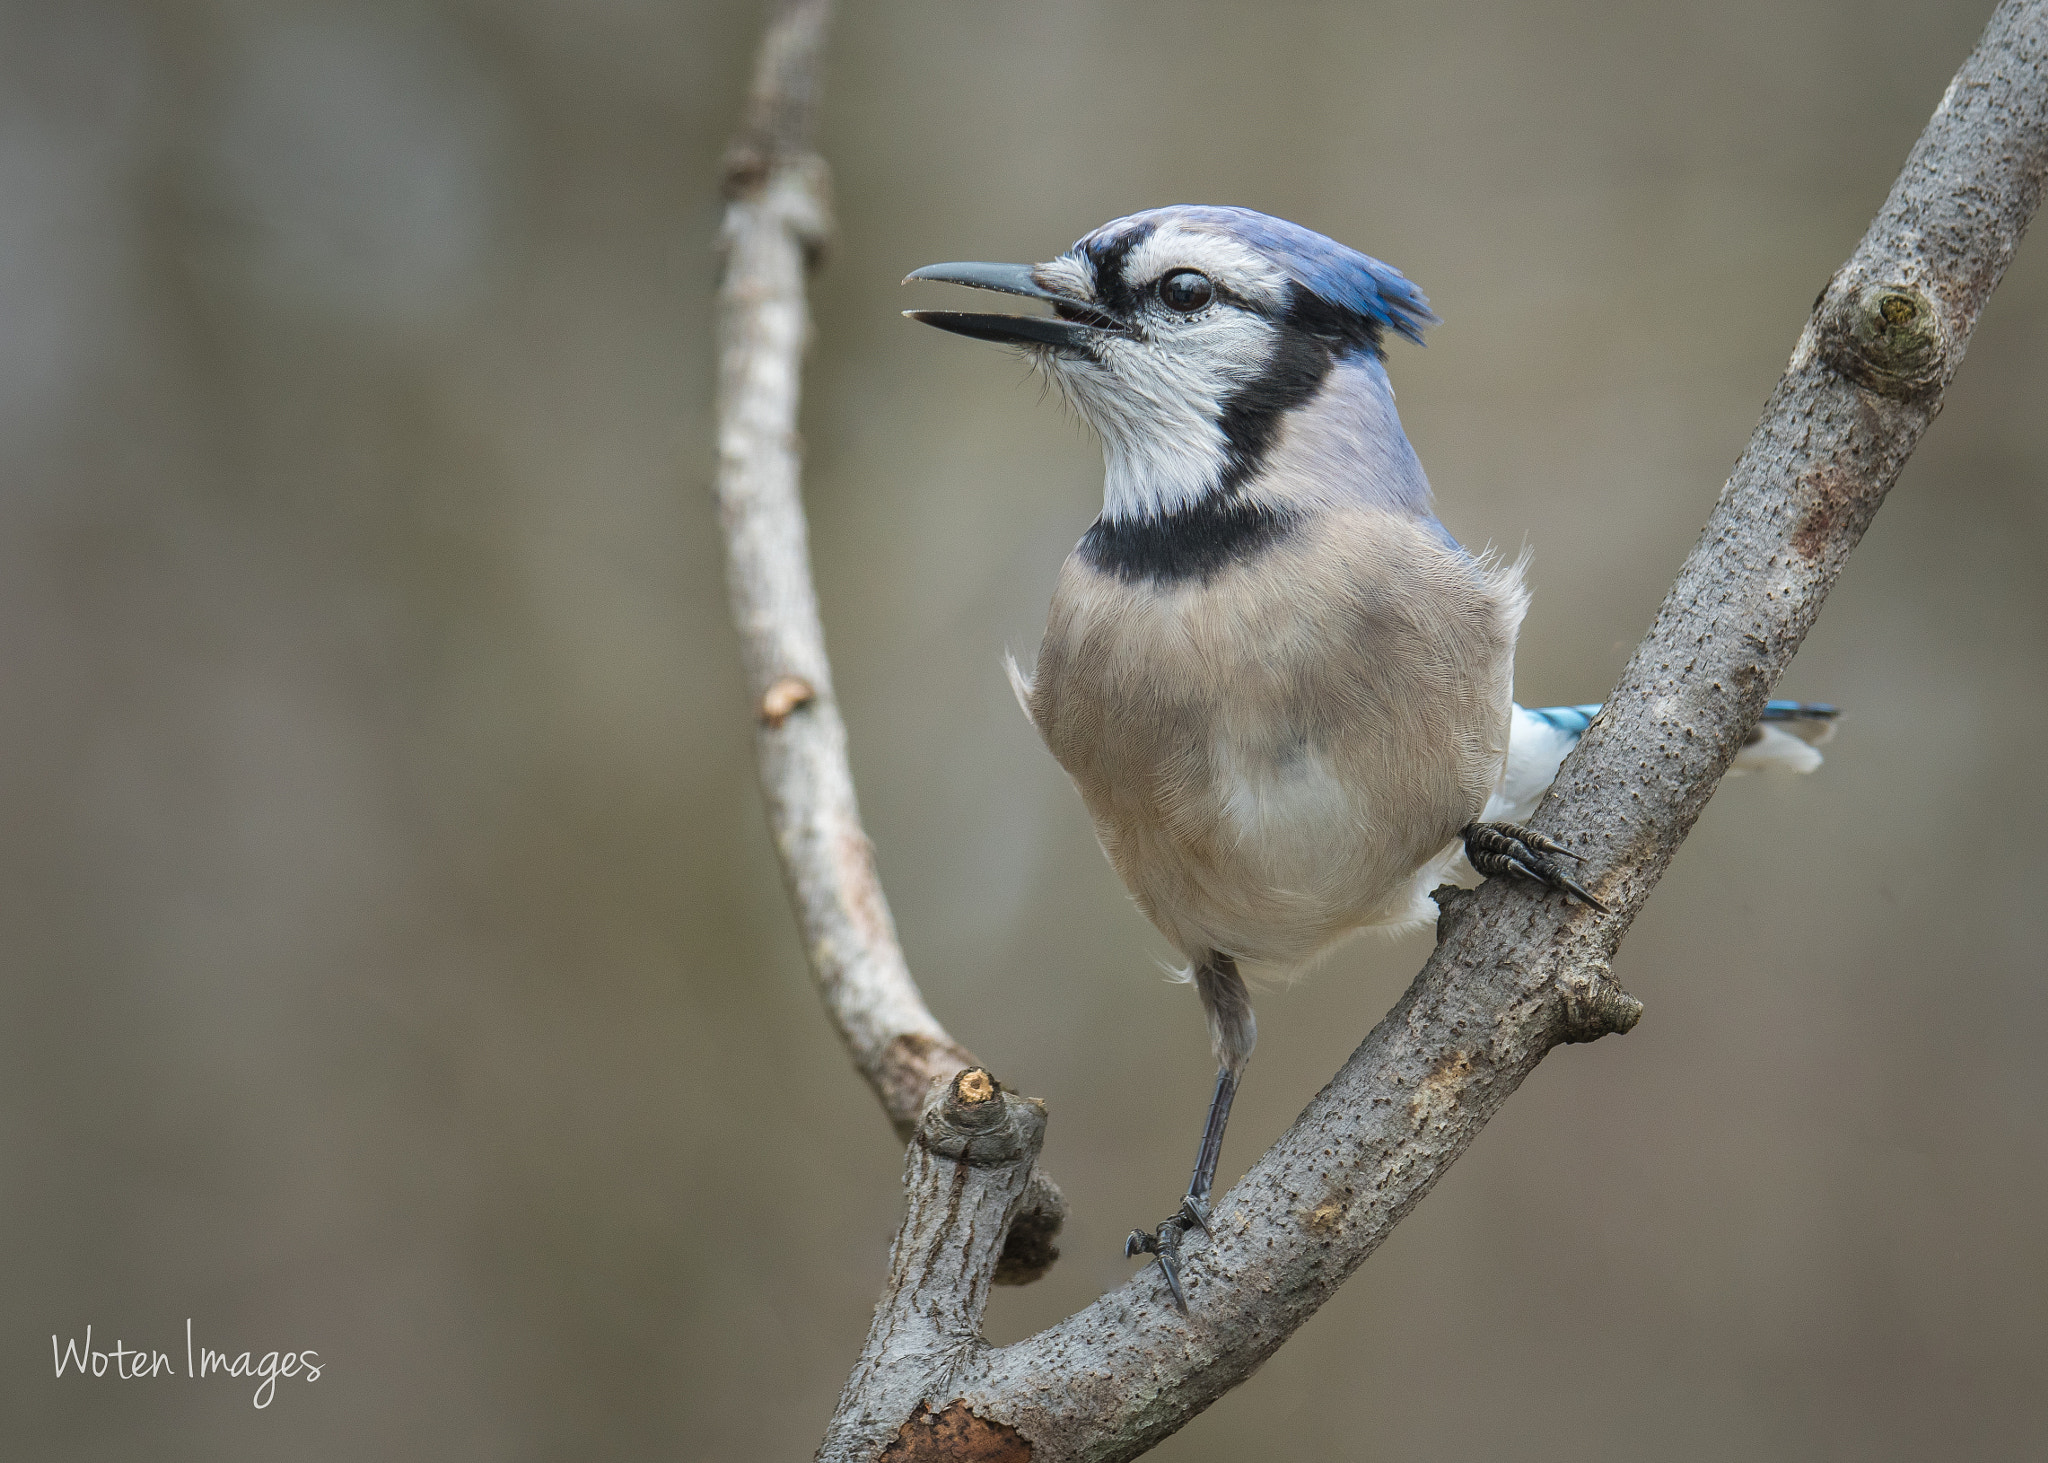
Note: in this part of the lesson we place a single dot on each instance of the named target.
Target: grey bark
(1512, 977)
(777, 219)
(966, 1174)
(778, 214)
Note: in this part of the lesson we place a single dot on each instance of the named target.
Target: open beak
(1078, 323)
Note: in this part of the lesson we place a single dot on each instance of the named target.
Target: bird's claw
(1165, 1244)
(1497, 849)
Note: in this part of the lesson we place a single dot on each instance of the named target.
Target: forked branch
(1512, 977)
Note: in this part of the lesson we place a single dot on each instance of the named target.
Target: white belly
(1304, 840)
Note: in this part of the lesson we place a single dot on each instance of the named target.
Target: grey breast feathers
(1272, 749)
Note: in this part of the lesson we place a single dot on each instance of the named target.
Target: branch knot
(1886, 336)
(795, 191)
(1595, 1005)
(783, 698)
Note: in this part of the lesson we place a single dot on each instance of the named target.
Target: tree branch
(777, 218)
(1512, 977)
(966, 1174)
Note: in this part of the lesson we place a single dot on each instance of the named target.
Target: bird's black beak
(1078, 322)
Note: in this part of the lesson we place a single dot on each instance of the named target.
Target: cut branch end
(972, 1119)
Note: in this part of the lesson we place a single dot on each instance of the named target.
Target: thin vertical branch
(777, 219)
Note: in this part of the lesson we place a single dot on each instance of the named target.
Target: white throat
(1147, 472)
(1156, 411)
(1156, 394)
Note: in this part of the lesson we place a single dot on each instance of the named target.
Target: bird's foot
(1509, 848)
(1165, 1244)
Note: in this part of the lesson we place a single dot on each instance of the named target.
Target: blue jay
(1282, 688)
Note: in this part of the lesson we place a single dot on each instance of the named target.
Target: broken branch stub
(967, 1173)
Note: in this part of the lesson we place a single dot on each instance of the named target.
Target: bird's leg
(1211, 1151)
(1233, 1032)
(1496, 849)
(1194, 1208)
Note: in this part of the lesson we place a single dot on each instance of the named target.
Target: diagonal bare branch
(1513, 977)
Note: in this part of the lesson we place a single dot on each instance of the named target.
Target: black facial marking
(1195, 542)
(1223, 527)
(1111, 289)
(1251, 414)
(1347, 331)
(1313, 336)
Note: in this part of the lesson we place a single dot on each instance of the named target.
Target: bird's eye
(1186, 291)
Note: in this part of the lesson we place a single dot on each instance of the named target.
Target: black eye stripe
(1108, 258)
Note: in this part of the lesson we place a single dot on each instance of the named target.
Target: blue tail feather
(1800, 711)
(1573, 720)
(1785, 738)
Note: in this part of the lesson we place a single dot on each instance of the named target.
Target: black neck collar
(1198, 541)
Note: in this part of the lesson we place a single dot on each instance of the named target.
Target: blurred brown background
(396, 966)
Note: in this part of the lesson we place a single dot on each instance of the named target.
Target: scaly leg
(1194, 1208)
(1232, 1031)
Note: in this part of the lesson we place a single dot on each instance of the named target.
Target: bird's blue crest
(1340, 277)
